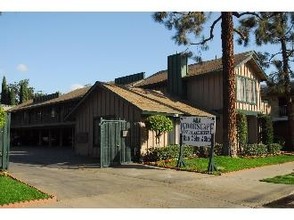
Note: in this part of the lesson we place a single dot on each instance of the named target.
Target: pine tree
(25, 92)
(22, 94)
(12, 97)
(275, 28)
(189, 24)
(229, 82)
(15, 87)
(4, 92)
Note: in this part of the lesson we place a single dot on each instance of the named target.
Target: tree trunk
(229, 96)
(287, 86)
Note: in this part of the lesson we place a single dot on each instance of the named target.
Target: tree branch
(238, 15)
(289, 30)
(240, 34)
(273, 55)
(290, 53)
(211, 35)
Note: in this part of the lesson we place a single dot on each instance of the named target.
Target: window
(246, 90)
(282, 106)
(241, 92)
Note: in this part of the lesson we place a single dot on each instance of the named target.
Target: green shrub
(254, 150)
(242, 130)
(168, 152)
(279, 140)
(218, 149)
(205, 151)
(267, 130)
(274, 148)
(201, 151)
(159, 124)
(2, 117)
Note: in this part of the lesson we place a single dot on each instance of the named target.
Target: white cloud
(76, 86)
(22, 68)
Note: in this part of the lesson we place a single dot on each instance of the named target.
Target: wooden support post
(73, 138)
(60, 137)
(50, 137)
(40, 138)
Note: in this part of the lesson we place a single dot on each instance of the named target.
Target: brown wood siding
(41, 116)
(101, 103)
(206, 91)
(246, 71)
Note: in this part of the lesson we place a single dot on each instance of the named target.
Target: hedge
(168, 152)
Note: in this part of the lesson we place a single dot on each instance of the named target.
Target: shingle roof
(75, 94)
(200, 68)
(154, 101)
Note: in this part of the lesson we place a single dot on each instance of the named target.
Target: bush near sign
(197, 131)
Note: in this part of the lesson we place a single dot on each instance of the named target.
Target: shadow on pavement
(134, 166)
(286, 202)
(60, 157)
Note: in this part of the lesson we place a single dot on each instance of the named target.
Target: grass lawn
(286, 179)
(14, 191)
(226, 164)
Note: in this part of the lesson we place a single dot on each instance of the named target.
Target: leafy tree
(14, 88)
(267, 131)
(12, 97)
(25, 92)
(191, 24)
(39, 94)
(159, 124)
(5, 92)
(275, 28)
(20, 92)
(2, 117)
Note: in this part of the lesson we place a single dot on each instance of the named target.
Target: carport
(51, 157)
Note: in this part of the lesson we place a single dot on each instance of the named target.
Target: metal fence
(114, 149)
(5, 144)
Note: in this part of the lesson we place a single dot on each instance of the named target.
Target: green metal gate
(114, 144)
(5, 144)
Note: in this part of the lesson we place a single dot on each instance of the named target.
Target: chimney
(177, 68)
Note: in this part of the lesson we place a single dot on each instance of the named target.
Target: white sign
(197, 131)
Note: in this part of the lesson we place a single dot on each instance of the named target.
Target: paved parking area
(61, 157)
(83, 185)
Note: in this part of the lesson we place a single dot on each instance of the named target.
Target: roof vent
(44, 98)
(129, 79)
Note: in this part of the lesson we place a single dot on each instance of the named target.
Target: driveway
(61, 157)
(83, 185)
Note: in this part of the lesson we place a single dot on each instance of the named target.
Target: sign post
(180, 159)
(211, 165)
(198, 131)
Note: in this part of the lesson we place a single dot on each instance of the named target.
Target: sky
(61, 51)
